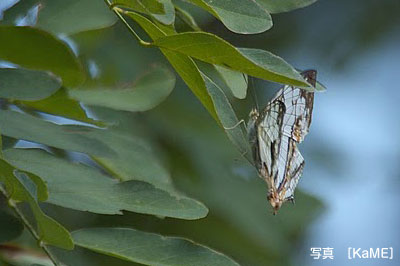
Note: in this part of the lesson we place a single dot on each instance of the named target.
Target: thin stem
(189, 21)
(29, 226)
(118, 12)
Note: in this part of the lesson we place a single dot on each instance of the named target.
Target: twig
(29, 226)
(117, 11)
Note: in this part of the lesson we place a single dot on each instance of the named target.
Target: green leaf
(133, 156)
(161, 10)
(19, 10)
(21, 187)
(320, 87)
(147, 92)
(135, 147)
(83, 188)
(72, 16)
(184, 65)
(236, 81)
(169, 17)
(283, 5)
(60, 104)
(187, 18)
(228, 118)
(10, 227)
(41, 187)
(44, 52)
(148, 248)
(1, 146)
(240, 16)
(143, 6)
(7, 142)
(29, 85)
(214, 50)
(69, 137)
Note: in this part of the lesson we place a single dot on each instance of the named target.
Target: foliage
(102, 147)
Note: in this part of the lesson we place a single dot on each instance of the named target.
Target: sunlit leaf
(83, 188)
(44, 52)
(284, 5)
(240, 16)
(212, 49)
(69, 137)
(29, 85)
(145, 93)
(21, 187)
(148, 248)
(10, 227)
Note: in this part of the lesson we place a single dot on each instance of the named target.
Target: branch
(117, 11)
(29, 226)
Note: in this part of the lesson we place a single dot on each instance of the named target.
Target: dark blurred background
(349, 193)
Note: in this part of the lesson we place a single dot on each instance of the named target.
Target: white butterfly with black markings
(274, 134)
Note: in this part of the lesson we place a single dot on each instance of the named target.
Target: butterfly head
(254, 114)
(275, 200)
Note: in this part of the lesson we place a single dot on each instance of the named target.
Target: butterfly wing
(269, 132)
(299, 106)
(284, 122)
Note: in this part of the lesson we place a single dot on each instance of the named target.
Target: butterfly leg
(234, 126)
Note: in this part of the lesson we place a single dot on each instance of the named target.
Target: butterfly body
(274, 134)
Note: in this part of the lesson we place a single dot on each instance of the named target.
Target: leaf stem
(12, 204)
(188, 20)
(118, 12)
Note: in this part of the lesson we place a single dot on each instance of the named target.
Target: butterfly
(274, 134)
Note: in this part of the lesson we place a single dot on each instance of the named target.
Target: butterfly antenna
(253, 92)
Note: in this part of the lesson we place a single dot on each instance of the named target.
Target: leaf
(83, 188)
(29, 85)
(44, 52)
(1, 146)
(187, 18)
(214, 50)
(143, 6)
(72, 16)
(284, 5)
(228, 118)
(147, 92)
(21, 187)
(148, 248)
(236, 81)
(239, 16)
(41, 187)
(133, 156)
(184, 65)
(60, 104)
(69, 137)
(320, 87)
(10, 227)
(20, 9)
(161, 10)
